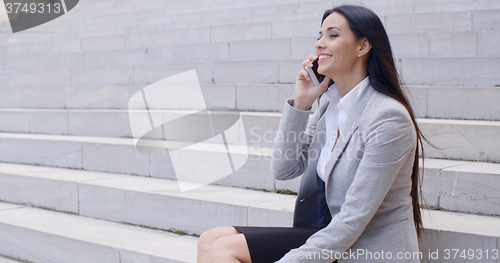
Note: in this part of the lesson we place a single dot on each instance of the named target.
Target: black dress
(270, 244)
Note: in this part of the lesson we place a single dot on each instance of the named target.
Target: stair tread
(91, 229)
(156, 186)
(8, 260)
(104, 233)
(220, 194)
(462, 222)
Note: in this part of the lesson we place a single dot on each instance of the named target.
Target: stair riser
(465, 140)
(126, 159)
(433, 102)
(454, 44)
(455, 102)
(300, 25)
(445, 241)
(458, 186)
(474, 71)
(37, 235)
(44, 247)
(36, 246)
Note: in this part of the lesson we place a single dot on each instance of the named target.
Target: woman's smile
(323, 57)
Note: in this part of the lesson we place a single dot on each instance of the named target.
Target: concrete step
(220, 14)
(450, 6)
(110, 242)
(288, 24)
(430, 71)
(424, 22)
(451, 185)
(235, 96)
(462, 139)
(117, 155)
(224, 10)
(381, 7)
(111, 51)
(455, 102)
(169, 7)
(121, 11)
(232, 4)
(120, 156)
(456, 139)
(445, 44)
(8, 260)
(461, 186)
(117, 123)
(38, 235)
(152, 24)
(450, 71)
(305, 18)
(261, 126)
(193, 211)
(449, 102)
(117, 97)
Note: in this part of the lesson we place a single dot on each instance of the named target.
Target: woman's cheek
(334, 60)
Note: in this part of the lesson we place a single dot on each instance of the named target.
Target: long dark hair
(385, 79)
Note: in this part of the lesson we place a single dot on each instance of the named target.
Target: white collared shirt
(336, 116)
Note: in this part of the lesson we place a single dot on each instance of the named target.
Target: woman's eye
(319, 38)
(332, 36)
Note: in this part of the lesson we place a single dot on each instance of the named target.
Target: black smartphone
(319, 77)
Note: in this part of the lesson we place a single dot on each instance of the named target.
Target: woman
(359, 200)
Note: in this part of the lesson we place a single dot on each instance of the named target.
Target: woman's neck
(347, 81)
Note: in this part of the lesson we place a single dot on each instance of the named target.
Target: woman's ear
(364, 47)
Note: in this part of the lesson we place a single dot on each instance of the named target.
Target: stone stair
(8, 260)
(85, 212)
(39, 235)
(75, 189)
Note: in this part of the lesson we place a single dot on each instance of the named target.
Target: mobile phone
(315, 76)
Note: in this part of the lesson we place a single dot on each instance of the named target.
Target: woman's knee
(209, 236)
(220, 249)
(229, 247)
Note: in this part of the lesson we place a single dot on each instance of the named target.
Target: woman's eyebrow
(330, 28)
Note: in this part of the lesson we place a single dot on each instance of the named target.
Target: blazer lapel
(321, 128)
(350, 127)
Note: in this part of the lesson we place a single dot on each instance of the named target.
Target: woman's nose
(319, 44)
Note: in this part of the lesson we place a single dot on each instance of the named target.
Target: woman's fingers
(303, 75)
(307, 62)
(312, 57)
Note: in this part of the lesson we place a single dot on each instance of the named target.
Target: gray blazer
(368, 181)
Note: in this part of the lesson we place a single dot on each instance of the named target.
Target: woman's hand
(305, 91)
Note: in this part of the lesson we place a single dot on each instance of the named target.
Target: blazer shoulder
(382, 106)
(385, 114)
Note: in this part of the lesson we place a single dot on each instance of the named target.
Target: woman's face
(337, 42)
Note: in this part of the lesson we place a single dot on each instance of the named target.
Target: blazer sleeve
(390, 141)
(291, 144)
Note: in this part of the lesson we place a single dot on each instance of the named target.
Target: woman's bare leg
(230, 246)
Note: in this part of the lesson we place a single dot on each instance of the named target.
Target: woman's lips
(324, 59)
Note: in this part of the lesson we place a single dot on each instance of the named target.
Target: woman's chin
(324, 73)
